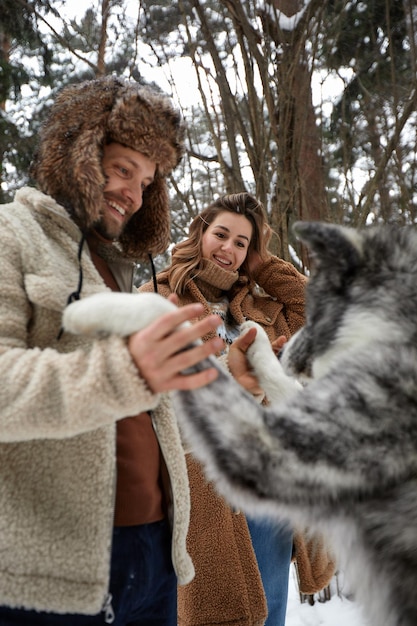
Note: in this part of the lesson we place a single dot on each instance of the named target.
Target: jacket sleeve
(282, 281)
(315, 562)
(75, 386)
(46, 394)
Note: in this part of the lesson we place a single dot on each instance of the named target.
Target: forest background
(311, 105)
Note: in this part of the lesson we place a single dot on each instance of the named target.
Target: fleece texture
(227, 588)
(59, 401)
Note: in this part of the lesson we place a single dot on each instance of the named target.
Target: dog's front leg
(267, 367)
(114, 313)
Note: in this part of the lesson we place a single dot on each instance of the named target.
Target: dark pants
(143, 584)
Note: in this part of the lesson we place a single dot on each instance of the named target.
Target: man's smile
(116, 207)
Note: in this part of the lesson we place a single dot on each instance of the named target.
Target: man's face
(127, 173)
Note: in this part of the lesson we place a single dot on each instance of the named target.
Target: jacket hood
(67, 165)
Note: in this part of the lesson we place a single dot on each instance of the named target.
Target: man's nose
(134, 193)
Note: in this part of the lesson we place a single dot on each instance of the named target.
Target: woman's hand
(278, 344)
(254, 261)
(239, 365)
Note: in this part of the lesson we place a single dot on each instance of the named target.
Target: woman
(225, 264)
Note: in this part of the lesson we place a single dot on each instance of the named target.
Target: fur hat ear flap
(80, 189)
(151, 224)
(83, 195)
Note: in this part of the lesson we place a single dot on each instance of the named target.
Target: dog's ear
(330, 244)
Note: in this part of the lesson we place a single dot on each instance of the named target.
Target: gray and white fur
(339, 454)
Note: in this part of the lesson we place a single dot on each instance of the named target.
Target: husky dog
(338, 454)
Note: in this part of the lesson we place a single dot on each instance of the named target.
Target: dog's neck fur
(360, 330)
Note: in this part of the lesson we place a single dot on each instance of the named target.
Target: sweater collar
(213, 280)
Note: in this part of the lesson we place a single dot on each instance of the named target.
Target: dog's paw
(260, 348)
(267, 367)
(114, 313)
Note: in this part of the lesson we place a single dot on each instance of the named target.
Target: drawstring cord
(107, 609)
(75, 295)
(155, 283)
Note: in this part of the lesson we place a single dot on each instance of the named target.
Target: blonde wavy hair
(187, 256)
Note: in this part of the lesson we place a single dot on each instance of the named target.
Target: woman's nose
(226, 245)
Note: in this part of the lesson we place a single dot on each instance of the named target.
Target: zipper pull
(108, 610)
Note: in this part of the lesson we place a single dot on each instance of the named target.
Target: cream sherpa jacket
(59, 401)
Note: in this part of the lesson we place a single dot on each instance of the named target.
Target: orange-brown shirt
(139, 497)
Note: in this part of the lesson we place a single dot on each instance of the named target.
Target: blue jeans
(272, 544)
(143, 584)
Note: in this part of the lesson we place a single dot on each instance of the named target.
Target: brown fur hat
(82, 120)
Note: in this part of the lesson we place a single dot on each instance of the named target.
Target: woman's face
(226, 240)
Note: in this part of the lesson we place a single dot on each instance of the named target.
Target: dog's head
(362, 289)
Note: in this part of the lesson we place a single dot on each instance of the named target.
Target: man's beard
(109, 233)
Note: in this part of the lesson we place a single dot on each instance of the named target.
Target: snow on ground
(338, 611)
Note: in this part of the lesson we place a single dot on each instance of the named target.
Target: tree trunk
(301, 192)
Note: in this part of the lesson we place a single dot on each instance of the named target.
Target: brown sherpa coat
(227, 588)
(59, 403)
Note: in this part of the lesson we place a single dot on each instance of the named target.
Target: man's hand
(158, 350)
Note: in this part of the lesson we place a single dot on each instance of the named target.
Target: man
(92, 471)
